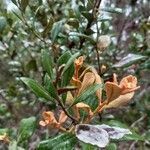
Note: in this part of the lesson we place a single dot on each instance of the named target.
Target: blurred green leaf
(31, 65)
(47, 63)
(14, 1)
(4, 130)
(26, 129)
(85, 146)
(128, 60)
(60, 142)
(82, 35)
(88, 16)
(113, 10)
(86, 93)
(13, 146)
(111, 146)
(57, 26)
(24, 4)
(36, 88)
(3, 23)
(73, 22)
(90, 5)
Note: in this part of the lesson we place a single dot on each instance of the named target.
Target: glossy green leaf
(57, 26)
(36, 88)
(49, 86)
(62, 141)
(47, 63)
(86, 93)
(26, 128)
(64, 58)
(70, 62)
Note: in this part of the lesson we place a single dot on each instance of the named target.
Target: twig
(94, 11)
(139, 120)
(98, 60)
(66, 112)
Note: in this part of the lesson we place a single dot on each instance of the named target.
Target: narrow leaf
(62, 141)
(47, 63)
(24, 4)
(70, 61)
(36, 88)
(57, 26)
(86, 93)
(49, 86)
(64, 58)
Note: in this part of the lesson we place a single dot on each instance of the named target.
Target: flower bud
(103, 42)
(103, 68)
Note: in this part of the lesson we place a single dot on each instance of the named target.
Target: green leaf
(26, 128)
(36, 88)
(4, 130)
(83, 36)
(14, 1)
(85, 146)
(86, 93)
(49, 86)
(57, 26)
(24, 4)
(111, 146)
(70, 62)
(128, 60)
(64, 58)
(47, 63)
(3, 23)
(60, 142)
(13, 146)
(73, 22)
(31, 65)
(88, 16)
(112, 10)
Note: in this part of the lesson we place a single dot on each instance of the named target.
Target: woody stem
(66, 112)
(99, 108)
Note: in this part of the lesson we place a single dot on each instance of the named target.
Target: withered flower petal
(120, 101)
(88, 80)
(113, 91)
(63, 117)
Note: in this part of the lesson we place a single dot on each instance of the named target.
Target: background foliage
(33, 27)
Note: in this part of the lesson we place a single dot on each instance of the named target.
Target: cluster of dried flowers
(117, 94)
